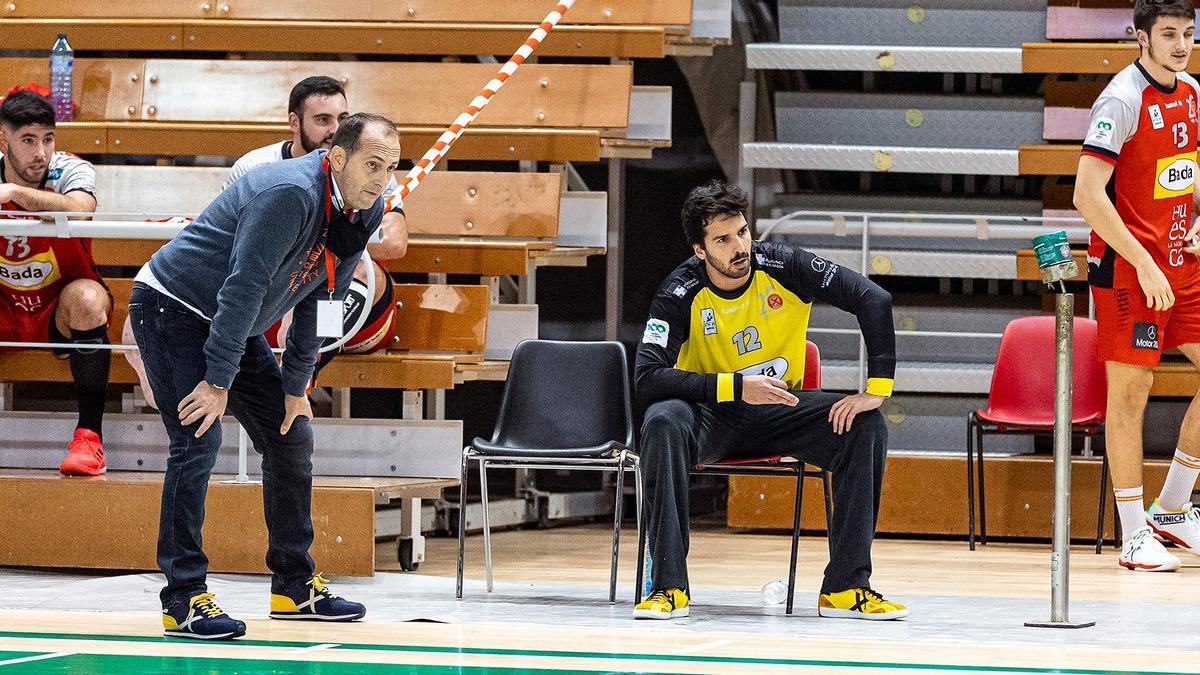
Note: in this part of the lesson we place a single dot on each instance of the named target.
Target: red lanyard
(330, 270)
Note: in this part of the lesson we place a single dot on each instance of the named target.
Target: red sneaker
(86, 456)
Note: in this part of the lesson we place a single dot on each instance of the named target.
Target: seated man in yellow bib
(721, 365)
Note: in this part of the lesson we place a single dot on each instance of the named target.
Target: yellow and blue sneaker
(200, 618)
(669, 604)
(313, 601)
(859, 603)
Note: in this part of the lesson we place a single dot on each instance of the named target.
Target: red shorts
(1134, 334)
(371, 338)
(17, 325)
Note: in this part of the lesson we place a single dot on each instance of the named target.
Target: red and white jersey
(1148, 133)
(278, 152)
(33, 270)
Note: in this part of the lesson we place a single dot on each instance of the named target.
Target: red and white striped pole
(455, 131)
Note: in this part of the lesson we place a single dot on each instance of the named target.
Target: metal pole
(614, 265)
(1060, 557)
(866, 272)
(243, 443)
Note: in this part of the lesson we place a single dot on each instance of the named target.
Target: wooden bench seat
(627, 29)
(550, 112)
(1049, 159)
(342, 37)
(479, 223)
(36, 502)
(1082, 57)
(438, 327)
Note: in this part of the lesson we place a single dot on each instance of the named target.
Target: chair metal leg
(641, 554)
(487, 526)
(618, 507)
(462, 522)
(795, 537)
(982, 503)
(1103, 504)
(827, 486)
(971, 483)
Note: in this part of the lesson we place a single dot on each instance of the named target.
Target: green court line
(7, 656)
(197, 665)
(563, 654)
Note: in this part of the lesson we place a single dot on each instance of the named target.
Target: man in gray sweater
(266, 245)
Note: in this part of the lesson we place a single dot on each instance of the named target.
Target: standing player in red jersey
(49, 288)
(1143, 267)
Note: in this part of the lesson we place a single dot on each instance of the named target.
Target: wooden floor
(722, 561)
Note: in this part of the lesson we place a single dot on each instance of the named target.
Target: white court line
(39, 657)
(314, 648)
(705, 646)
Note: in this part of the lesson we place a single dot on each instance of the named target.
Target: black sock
(90, 368)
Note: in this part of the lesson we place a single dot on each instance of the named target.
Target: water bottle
(775, 592)
(62, 63)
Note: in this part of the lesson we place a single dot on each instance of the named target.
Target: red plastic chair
(770, 465)
(1021, 399)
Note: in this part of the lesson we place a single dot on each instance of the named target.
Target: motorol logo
(1176, 176)
(27, 276)
(1145, 336)
(1169, 518)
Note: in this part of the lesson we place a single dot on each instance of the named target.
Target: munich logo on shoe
(1170, 518)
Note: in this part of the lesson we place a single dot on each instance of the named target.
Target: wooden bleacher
(1067, 101)
(475, 223)
(437, 328)
(462, 223)
(549, 112)
(626, 29)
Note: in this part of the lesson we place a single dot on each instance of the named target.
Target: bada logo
(36, 272)
(1176, 176)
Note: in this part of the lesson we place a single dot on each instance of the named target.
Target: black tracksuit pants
(677, 435)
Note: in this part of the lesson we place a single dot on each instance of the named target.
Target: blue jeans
(171, 338)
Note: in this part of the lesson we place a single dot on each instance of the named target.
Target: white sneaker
(1142, 553)
(1181, 527)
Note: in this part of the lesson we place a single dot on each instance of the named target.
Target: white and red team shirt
(33, 270)
(1148, 133)
(278, 152)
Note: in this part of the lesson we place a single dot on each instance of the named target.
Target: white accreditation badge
(330, 323)
(329, 319)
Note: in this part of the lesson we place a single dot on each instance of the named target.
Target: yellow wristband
(880, 386)
(724, 387)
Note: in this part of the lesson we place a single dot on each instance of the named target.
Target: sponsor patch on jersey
(1145, 336)
(774, 301)
(1101, 131)
(764, 261)
(31, 273)
(679, 291)
(1156, 116)
(776, 368)
(709, 318)
(54, 174)
(819, 264)
(656, 333)
(1175, 176)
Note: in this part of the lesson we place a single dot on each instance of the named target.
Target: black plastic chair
(566, 405)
